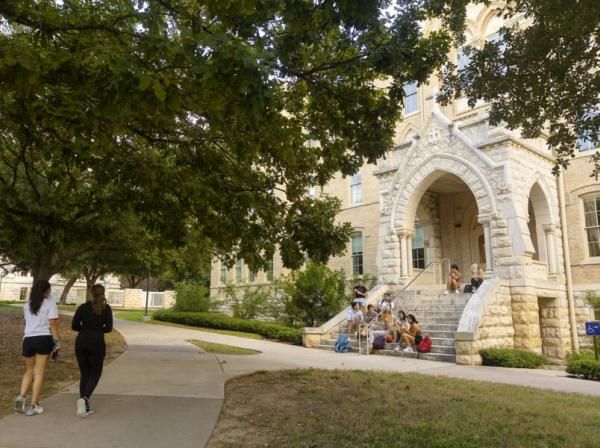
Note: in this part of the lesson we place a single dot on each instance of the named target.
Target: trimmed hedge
(509, 357)
(223, 322)
(585, 365)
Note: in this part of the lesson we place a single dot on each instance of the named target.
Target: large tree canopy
(212, 114)
(542, 76)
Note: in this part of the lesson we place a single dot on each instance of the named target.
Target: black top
(360, 291)
(86, 321)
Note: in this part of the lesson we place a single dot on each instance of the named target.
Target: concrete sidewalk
(165, 392)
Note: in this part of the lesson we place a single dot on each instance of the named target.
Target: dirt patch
(317, 408)
(60, 373)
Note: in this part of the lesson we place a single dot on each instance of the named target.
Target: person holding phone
(39, 340)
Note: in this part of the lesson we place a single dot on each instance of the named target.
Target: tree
(541, 77)
(199, 114)
(315, 294)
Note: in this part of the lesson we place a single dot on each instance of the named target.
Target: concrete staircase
(437, 313)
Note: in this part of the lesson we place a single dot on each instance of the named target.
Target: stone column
(409, 253)
(487, 237)
(550, 249)
(403, 253)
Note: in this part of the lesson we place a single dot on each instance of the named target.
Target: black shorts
(37, 345)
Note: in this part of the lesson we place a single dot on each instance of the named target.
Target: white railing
(115, 297)
(156, 300)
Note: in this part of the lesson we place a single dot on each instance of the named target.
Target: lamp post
(147, 292)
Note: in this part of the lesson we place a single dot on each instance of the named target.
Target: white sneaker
(81, 410)
(446, 292)
(20, 403)
(457, 291)
(398, 349)
(33, 410)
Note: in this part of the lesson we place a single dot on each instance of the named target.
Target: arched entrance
(445, 205)
(446, 225)
(541, 228)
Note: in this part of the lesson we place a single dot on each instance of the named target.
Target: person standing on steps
(360, 294)
(92, 319)
(40, 338)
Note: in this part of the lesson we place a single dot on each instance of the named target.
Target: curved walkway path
(165, 392)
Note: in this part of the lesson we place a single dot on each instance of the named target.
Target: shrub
(508, 357)
(584, 364)
(594, 300)
(255, 302)
(223, 322)
(313, 295)
(191, 297)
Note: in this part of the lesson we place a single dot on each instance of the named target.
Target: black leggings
(90, 354)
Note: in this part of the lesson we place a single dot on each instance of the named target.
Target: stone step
(440, 320)
(435, 334)
(444, 357)
(426, 327)
(430, 308)
(447, 348)
(443, 341)
(428, 314)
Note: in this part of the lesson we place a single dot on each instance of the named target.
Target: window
(23, 293)
(251, 276)
(238, 270)
(418, 248)
(270, 271)
(356, 188)
(223, 271)
(591, 208)
(462, 59)
(411, 103)
(357, 254)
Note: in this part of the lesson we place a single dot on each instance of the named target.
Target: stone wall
(585, 313)
(487, 323)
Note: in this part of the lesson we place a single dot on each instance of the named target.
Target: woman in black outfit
(91, 320)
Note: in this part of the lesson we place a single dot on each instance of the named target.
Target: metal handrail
(414, 279)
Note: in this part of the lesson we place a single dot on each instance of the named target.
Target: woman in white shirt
(41, 336)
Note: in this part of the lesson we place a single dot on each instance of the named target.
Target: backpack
(468, 289)
(343, 345)
(379, 342)
(425, 345)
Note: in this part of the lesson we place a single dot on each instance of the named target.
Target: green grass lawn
(318, 408)
(138, 316)
(9, 308)
(222, 349)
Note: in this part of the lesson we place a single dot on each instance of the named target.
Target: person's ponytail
(98, 299)
(38, 291)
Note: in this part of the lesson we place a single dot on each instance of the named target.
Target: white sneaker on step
(446, 292)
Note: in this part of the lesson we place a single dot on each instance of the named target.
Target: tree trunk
(66, 289)
(90, 281)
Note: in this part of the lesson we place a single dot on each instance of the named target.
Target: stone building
(457, 190)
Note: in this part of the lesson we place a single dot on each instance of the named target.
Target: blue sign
(592, 328)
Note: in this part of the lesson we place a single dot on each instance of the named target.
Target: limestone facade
(468, 192)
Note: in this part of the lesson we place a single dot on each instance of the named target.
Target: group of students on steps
(41, 341)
